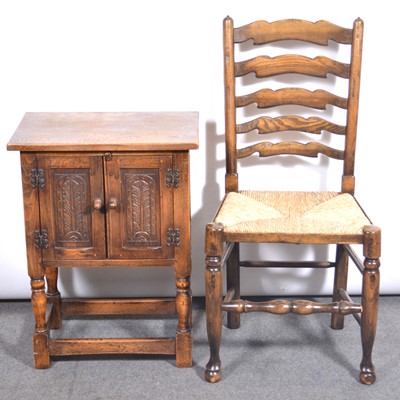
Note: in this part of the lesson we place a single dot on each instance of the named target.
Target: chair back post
(348, 180)
(231, 178)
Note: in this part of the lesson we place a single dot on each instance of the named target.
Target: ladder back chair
(301, 217)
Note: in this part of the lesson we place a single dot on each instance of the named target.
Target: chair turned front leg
(213, 280)
(370, 295)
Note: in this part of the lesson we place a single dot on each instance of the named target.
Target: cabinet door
(72, 207)
(139, 206)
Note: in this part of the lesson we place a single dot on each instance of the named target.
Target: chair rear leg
(213, 297)
(341, 272)
(233, 281)
(370, 295)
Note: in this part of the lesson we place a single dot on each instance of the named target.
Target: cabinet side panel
(182, 215)
(31, 215)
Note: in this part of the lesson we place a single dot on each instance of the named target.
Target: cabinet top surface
(106, 131)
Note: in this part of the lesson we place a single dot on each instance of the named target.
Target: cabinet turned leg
(370, 295)
(184, 330)
(53, 296)
(213, 297)
(41, 335)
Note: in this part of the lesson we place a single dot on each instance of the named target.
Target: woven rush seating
(291, 213)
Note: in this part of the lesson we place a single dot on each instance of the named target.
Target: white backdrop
(120, 55)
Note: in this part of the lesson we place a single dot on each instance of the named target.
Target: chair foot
(367, 376)
(233, 321)
(337, 321)
(213, 373)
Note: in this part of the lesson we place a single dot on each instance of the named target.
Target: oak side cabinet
(107, 190)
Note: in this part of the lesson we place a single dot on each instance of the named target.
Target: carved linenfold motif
(72, 197)
(142, 202)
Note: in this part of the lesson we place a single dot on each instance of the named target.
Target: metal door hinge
(41, 239)
(37, 178)
(173, 237)
(173, 176)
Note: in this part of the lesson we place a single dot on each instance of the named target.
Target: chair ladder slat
(262, 32)
(312, 149)
(264, 66)
(317, 99)
(266, 124)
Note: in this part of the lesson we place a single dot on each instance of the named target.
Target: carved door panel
(71, 207)
(139, 206)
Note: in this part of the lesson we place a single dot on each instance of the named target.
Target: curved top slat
(264, 66)
(320, 32)
(317, 99)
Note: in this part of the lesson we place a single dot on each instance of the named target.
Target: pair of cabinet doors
(105, 206)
